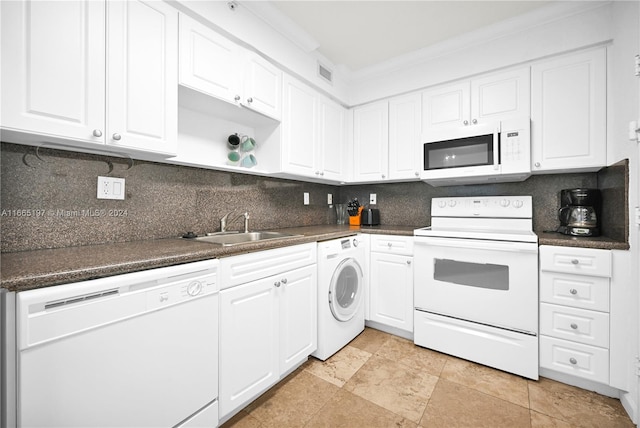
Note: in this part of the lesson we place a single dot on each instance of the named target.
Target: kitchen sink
(229, 239)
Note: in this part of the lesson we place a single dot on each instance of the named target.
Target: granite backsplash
(48, 199)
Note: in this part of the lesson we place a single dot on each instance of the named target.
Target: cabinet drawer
(579, 261)
(588, 362)
(392, 244)
(578, 291)
(580, 325)
(244, 268)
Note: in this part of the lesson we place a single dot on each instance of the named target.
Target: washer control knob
(518, 203)
(452, 203)
(442, 204)
(504, 203)
(355, 242)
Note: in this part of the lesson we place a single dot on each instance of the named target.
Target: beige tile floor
(380, 380)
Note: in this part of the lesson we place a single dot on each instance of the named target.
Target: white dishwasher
(133, 350)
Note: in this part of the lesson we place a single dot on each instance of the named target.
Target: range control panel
(483, 206)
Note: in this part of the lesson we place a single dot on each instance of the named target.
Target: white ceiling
(360, 34)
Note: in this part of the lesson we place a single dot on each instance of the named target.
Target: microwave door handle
(496, 148)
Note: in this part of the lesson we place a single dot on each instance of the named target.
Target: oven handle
(521, 247)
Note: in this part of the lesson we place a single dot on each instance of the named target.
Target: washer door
(345, 291)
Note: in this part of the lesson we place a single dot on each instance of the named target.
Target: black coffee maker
(580, 212)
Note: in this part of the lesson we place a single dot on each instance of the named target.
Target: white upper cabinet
(142, 73)
(299, 128)
(262, 90)
(568, 113)
(207, 61)
(59, 61)
(446, 106)
(371, 142)
(212, 64)
(332, 145)
(493, 97)
(53, 69)
(405, 127)
(312, 133)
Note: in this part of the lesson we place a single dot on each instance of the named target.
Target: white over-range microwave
(484, 153)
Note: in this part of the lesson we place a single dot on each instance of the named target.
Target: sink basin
(242, 238)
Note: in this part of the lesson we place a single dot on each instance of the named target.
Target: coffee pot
(579, 212)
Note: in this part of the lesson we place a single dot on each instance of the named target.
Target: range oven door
(488, 282)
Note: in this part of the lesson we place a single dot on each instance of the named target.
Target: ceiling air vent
(325, 73)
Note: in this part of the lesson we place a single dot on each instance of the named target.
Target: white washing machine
(341, 264)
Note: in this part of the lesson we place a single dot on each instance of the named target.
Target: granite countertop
(26, 270)
(602, 242)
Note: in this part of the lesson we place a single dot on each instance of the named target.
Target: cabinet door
(371, 141)
(331, 144)
(262, 86)
(249, 326)
(391, 288)
(299, 125)
(446, 106)
(568, 112)
(298, 302)
(53, 68)
(142, 93)
(405, 128)
(208, 61)
(501, 96)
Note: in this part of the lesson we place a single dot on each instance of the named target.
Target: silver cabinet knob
(409, 262)
(389, 244)
(321, 173)
(237, 98)
(537, 164)
(249, 100)
(573, 291)
(117, 137)
(466, 122)
(574, 326)
(417, 174)
(317, 172)
(97, 133)
(384, 176)
(284, 280)
(474, 121)
(277, 283)
(575, 261)
(573, 360)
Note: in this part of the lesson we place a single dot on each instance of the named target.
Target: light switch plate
(306, 198)
(373, 198)
(110, 188)
(329, 198)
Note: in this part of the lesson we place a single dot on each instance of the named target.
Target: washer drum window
(345, 291)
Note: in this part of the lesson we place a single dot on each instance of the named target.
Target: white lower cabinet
(391, 281)
(574, 311)
(268, 326)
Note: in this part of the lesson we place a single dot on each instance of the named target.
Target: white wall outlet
(373, 198)
(110, 188)
(329, 198)
(306, 198)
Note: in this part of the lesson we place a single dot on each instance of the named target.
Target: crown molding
(277, 20)
(553, 12)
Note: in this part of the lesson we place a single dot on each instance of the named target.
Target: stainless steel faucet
(224, 221)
